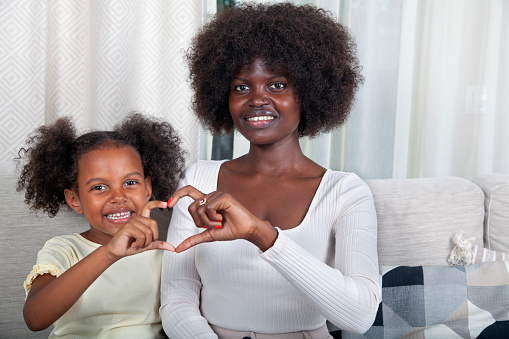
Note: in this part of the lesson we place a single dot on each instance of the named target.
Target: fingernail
(218, 226)
(218, 220)
(169, 202)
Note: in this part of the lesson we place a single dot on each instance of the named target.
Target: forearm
(181, 284)
(348, 301)
(180, 297)
(51, 298)
(184, 320)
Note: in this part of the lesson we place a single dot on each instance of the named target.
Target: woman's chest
(230, 264)
(284, 202)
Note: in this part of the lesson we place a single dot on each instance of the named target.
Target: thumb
(145, 211)
(160, 245)
(194, 240)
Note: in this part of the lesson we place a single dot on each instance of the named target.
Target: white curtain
(434, 102)
(435, 98)
(94, 61)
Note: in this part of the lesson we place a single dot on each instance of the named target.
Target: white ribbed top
(325, 268)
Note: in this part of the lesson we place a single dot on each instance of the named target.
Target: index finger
(186, 191)
(145, 211)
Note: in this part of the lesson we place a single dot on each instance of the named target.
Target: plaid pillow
(443, 302)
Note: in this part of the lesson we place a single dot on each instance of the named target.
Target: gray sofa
(423, 295)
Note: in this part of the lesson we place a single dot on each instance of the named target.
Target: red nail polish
(218, 220)
(218, 226)
(169, 201)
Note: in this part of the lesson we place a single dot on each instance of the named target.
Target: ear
(73, 200)
(148, 187)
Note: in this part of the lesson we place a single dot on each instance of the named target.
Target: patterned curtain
(94, 61)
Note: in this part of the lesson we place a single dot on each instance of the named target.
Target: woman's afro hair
(303, 43)
(50, 164)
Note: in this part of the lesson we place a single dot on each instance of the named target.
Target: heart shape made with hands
(224, 219)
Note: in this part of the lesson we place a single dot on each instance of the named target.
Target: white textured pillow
(496, 223)
(417, 218)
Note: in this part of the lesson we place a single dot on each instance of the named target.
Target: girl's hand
(138, 235)
(225, 219)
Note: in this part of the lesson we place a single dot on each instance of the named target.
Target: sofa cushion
(418, 218)
(442, 302)
(496, 222)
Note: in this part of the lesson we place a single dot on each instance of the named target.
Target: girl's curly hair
(304, 43)
(51, 161)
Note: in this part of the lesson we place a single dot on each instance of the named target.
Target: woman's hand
(139, 234)
(224, 218)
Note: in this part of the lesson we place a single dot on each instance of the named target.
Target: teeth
(261, 118)
(119, 215)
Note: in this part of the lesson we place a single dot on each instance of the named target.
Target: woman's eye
(241, 88)
(278, 86)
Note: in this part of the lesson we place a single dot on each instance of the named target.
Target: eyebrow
(126, 176)
(271, 78)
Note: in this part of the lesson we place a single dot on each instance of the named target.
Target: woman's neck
(283, 158)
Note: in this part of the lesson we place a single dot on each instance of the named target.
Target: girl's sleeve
(51, 259)
(180, 281)
(347, 294)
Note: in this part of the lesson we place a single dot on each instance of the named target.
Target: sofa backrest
(417, 218)
(23, 233)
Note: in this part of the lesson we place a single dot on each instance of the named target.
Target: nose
(258, 98)
(118, 196)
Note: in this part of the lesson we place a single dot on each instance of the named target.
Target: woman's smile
(260, 119)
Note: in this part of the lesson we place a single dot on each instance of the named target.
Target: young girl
(271, 244)
(79, 282)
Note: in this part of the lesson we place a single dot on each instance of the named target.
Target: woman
(271, 243)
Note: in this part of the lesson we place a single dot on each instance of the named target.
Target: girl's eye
(98, 188)
(241, 88)
(278, 86)
(130, 182)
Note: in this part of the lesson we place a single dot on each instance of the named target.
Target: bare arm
(50, 297)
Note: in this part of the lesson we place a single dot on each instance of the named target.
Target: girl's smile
(111, 189)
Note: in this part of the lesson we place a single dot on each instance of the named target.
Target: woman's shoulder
(204, 166)
(343, 177)
(340, 182)
(202, 172)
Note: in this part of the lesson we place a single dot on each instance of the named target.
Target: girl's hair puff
(44, 177)
(303, 43)
(54, 151)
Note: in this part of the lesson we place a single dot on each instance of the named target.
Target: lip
(119, 216)
(259, 118)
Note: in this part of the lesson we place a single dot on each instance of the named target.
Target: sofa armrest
(496, 222)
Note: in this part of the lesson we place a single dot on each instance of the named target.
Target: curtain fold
(459, 114)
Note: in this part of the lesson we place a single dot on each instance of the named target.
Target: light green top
(122, 303)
